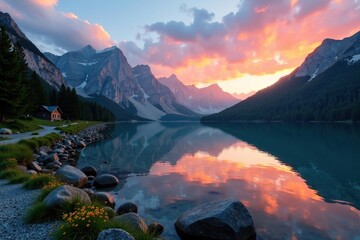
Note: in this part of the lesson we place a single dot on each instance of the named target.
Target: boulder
(64, 194)
(110, 212)
(22, 168)
(71, 175)
(155, 229)
(225, 220)
(5, 131)
(89, 171)
(115, 234)
(44, 149)
(80, 144)
(89, 192)
(50, 158)
(34, 166)
(106, 198)
(57, 150)
(106, 180)
(126, 208)
(46, 171)
(31, 172)
(132, 220)
(53, 165)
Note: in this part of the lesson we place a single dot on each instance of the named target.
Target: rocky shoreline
(211, 220)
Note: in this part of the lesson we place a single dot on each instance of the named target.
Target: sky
(242, 45)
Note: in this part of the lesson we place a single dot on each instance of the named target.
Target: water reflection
(268, 167)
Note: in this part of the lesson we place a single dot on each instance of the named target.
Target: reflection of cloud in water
(188, 164)
(275, 195)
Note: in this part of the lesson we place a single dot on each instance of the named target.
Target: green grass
(22, 153)
(28, 125)
(77, 127)
(10, 173)
(76, 224)
(20, 125)
(34, 133)
(7, 163)
(39, 212)
(19, 179)
(39, 181)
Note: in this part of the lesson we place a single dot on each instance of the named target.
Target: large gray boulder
(71, 175)
(105, 181)
(64, 194)
(105, 198)
(225, 220)
(115, 234)
(126, 208)
(34, 166)
(132, 220)
(5, 131)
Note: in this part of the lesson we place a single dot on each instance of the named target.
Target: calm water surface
(299, 181)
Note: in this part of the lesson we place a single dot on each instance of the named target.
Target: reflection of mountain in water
(134, 148)
(326, 155)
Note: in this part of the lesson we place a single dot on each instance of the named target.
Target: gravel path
(14, 200)
(14, 138)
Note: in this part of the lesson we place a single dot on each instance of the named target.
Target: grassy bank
(77, 126)
(78, 220)
(28, 125)
(33, 124)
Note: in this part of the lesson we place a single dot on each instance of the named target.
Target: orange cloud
(45, 3)
(261, 38)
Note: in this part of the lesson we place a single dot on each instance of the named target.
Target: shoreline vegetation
(74, 218)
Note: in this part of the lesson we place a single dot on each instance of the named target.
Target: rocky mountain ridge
(36, 60)
(206, 100)
(108, 73)
(324, 88)
(327, 54)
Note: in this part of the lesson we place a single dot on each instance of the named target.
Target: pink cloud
(261, 37)
(47, 26)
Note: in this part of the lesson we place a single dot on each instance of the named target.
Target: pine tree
(53, 99)
(36, 94)
(74, 105)
(62, 101)
(12, 77)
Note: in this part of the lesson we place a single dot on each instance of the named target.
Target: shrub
(31, 143)
(19, 179)
(20, 152)
(8, 163)
(10, 173)
(84, 223)
(39, 181)
(38, 213)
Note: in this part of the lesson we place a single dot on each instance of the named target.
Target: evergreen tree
(62, 101)
(12, 77)
(74, 105)
(36, 94)
(53, 100)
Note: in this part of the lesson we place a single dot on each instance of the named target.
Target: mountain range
(205, 101)
(326, 87)
(108, 73)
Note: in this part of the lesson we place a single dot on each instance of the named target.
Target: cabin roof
(51, 109)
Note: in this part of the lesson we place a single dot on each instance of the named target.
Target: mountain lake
(298, 180)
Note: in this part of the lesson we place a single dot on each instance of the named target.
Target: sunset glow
(241, 45)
